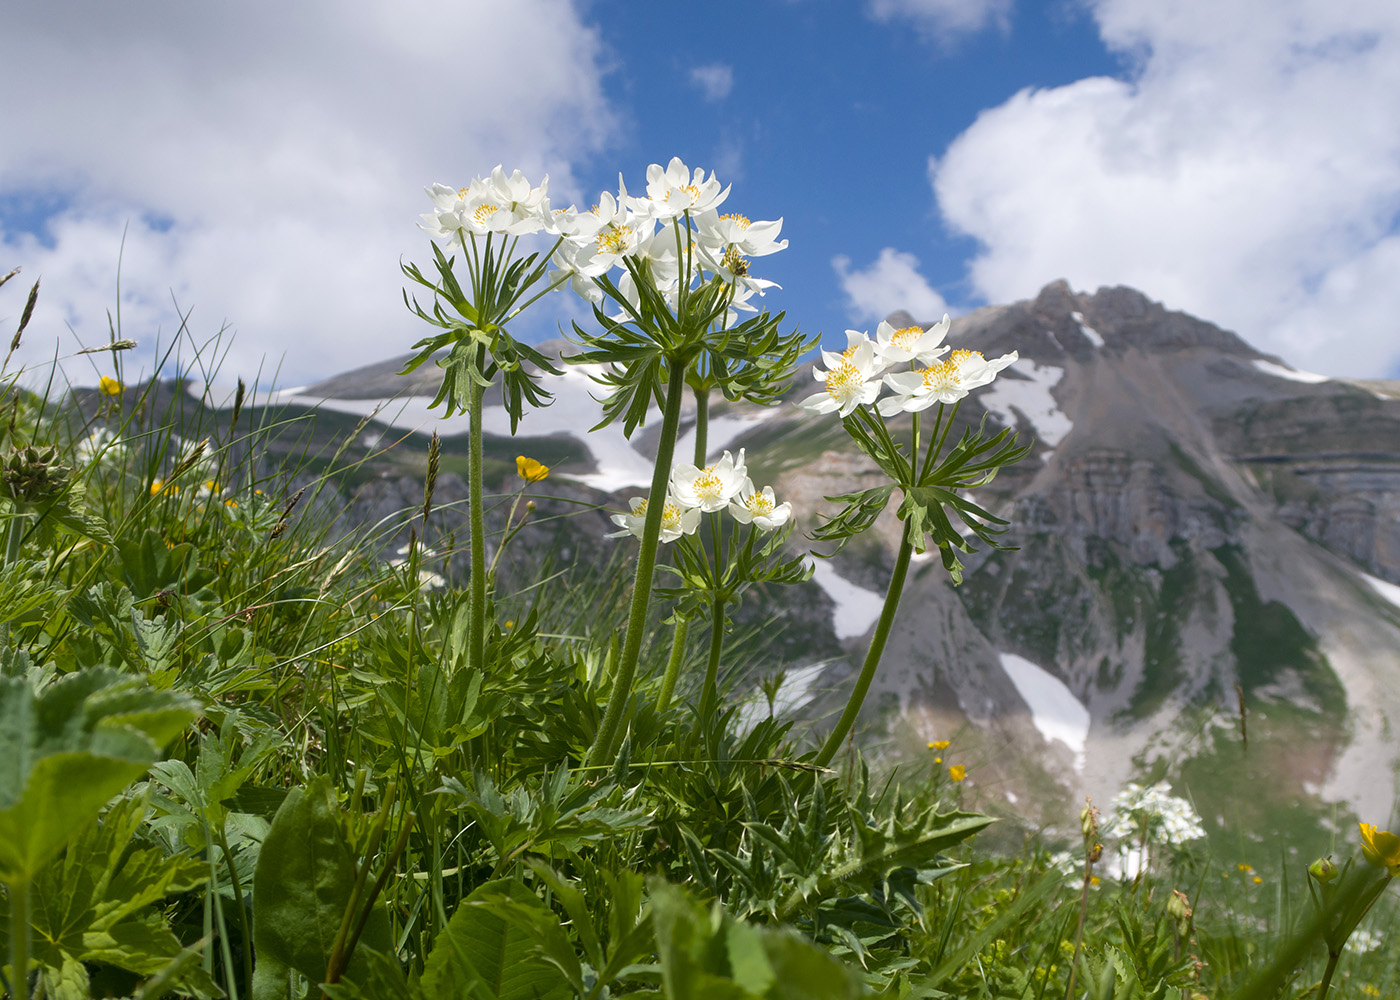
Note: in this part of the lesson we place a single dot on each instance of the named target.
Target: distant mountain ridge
(1195, 515)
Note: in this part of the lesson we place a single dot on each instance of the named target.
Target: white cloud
(268, 163)
(1249, 172)
(715, 80)
(942, 20)
(892, 282)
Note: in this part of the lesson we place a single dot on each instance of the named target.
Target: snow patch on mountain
(1055, 711)
(575, 408)
(794, 692)
(1385, 588)
(1279, 371)
(1092, 335)
(1032, 397)
(856, 608)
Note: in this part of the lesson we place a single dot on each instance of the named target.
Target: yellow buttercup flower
(530, 470)
(1381, 848)
(957, 772)
(940, 744)
(110, 386)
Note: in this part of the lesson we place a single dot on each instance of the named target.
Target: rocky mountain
(1205, 585)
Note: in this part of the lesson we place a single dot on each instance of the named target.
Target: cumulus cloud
(943, 20)
(715, 80)
(1248, 172)
(267, 165)
(891, 283)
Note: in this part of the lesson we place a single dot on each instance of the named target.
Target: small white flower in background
(1363, 940)
(712, 487)
(911, 343)
(736, 232)
(673, 190)
(100, 444)
(427, 580)
(761, 509)
(852, 378)
(945, 381)
(675, 520)
(1168, 820)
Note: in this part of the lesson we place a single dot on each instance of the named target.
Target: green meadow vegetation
(249, 749)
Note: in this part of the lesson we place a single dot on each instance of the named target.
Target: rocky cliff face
(1199, 528)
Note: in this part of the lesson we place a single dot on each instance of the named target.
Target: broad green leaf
(481, 955)
(100, 905)
(66, 751)
(303, 884)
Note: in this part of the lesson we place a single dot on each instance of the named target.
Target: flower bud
(1178, 906)
(1089, 820)
(1323, 870)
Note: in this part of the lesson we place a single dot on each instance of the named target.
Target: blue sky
(264, 165)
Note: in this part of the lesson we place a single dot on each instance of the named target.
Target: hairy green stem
(702, 426)
(476, 634)
(13, 539)
(19, 937)
(673, 665)
(682, 628)
(605, 743)
(872, 655)
(1326, 984)
(710, 693)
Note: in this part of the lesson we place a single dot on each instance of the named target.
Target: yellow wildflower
(940, 744)
(1256, 880)
(1381, 848)
(530, 470)
(1244, 867)
(957, 772)
(109, 386)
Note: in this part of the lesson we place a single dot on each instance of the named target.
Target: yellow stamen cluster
(960, 355)
(943, 375)
(690, 189)
(759, 504)
(708, 484)
(613, 238)
(843, 381)
(670, 516)
(741, 221)
(483, 213)
(905, 337)
(735, 262)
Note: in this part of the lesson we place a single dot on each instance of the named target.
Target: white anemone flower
(712, 487)
(911, 343)
(673, 190)
(752, 239)
(102, 445)
(946, 381)
(675, 520)
(852, 378)
(614, 232)
(583, 286)
(760, 508)
(501, 204)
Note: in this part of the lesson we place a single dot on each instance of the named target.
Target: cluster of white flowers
(694, 491)
(100, 444)
(675, 227)
(855, 376)
(1167, 819)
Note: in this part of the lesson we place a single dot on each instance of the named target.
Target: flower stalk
(605, 743)
(872, 655)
